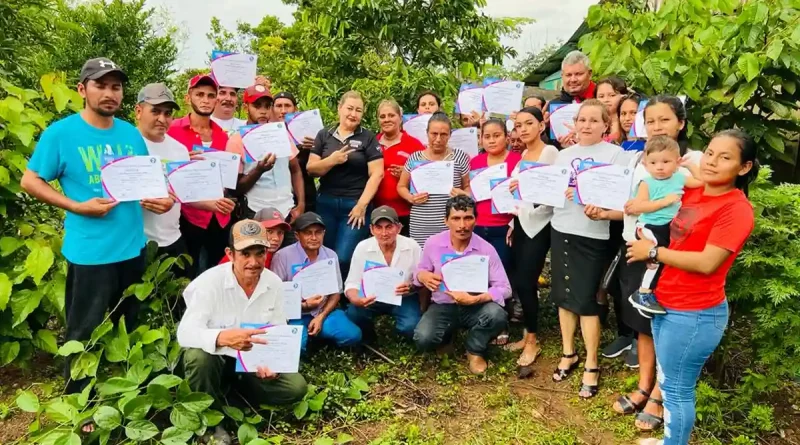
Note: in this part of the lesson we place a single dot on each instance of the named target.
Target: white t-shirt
(165, 229)
(229, 125)
(272, 189)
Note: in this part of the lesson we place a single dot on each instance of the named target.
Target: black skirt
(630, 280)
(578, 265)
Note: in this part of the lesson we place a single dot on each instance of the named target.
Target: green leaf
(5, 291)
(775, 141)
(234, 413)
(300, 409)
(9, 245)
(70, 347)
(175, 436)
(353, 393)
(60, 97)
(60, 411)
(143, 290)
(100, 331)
(107, 417)
(139, 372)
(744, 93)
(325, 440)
(137, 408)
(151, 336)
(246, 433)
(9, 350)
(46, 341)
(213, 417)
(197, 401)
(185, 419)
(23, 303)
(116, 385)
(166, 380)
(85, 365)
(344, 438)
(775, 49)
(779, 108)
(28, 402)
(46, 82)
(161, 396)
(140, 430)
(796, 35)
(39, 262)
(360, 384)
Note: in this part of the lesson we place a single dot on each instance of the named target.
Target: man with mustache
(228, 104)
(285, 103)
(103, 239)
(482, 314)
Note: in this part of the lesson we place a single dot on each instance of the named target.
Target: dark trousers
(213, 240)
(93, 290)
(482, 321)
(529, 256)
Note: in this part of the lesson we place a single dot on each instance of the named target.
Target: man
(321, 317)
(203, 230)
(218, 302)
(276, 228)
(576, 75)
(285, 103)
(104, 239)
(482, 314)
(389, 248)
(268, 182)
(224, 112)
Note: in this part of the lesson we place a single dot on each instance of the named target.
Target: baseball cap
(98, 67)
(270, 218)
(285, 95)
(202, 79)
(306, 220)
(255, 92)
(384, 212)
(248, 233)
(157, 94)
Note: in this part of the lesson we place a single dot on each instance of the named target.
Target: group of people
(664, 259)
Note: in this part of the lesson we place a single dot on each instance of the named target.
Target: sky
(555, 20)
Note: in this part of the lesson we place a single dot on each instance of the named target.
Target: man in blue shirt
(103, 239)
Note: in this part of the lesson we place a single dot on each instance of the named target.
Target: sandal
(501, 340)
(627, 405)
(564, 373)
(653, 422)
(591, 389)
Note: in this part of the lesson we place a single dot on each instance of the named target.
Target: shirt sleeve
(411, 159)
(46, 160)
(499, 287)
(279, 313)
(357, 262)
(372, 151)
(278, 266)
(193, 330)
(139, 146)
(732, 226)
(338, 272)
(425, 263)
(236, 146)
(318, 146)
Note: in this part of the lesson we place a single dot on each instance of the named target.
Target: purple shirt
(438, 245)
(293, 254)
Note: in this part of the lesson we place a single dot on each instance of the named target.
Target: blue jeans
(483, 322)
(684, 341)
(496, 236)
(339, 236)
(406, 316)
(336, 328)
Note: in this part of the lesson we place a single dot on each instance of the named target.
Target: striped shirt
(428, 219)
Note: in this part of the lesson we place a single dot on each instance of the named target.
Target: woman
(628, 108)
(609, 91)
(397, 146)
(427, 211)
(536, 101)
(428, 102)
(578, 251)
(707, 234)
(348, 161)
(529, 235)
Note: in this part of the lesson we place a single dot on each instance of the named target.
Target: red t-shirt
(724, 221)
(395, 155)
(267, 262)
(485, 216)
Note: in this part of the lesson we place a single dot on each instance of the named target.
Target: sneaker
(632, 359)
(617, 347)
(645, 301)
(644, 314)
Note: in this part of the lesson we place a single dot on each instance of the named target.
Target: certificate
(502, 199)
(233, 69)
(195, 181)
(562, 119)
(502, 96)
(264, 139)
(305, 124)
(317, 278)
(470, 98)
(281, 354)
(380, 281)
(465, 273)
(292, 298)
(543, 183)
(466, 140)
(417, 126)
(638, 129)
(479, 180)
(607, 186)
(433, 177)
(228, 164)
(133, 178)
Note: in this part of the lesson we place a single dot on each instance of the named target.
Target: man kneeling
(218, 302)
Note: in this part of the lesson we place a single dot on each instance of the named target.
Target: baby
(657, 201)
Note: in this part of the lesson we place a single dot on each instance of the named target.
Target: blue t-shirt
(71, 151)
(659, 189)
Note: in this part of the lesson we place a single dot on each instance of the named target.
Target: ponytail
(749, 153)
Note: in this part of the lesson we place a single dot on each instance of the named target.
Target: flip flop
(651, 420)
(627, 405)
(501, 340)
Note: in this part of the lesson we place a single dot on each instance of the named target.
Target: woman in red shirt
(397, 146)
(706, 236)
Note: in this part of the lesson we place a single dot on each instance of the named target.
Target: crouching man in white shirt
(218, 302)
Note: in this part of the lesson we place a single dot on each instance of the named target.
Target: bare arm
(642, 203)
(705, 262)
(319, 167)
(375, 171)
(41, 190)
(330, 305)
(403, 187)
(297, 183)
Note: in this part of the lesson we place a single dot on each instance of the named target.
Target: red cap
(202, 79)
(270, 218)
(255, 92)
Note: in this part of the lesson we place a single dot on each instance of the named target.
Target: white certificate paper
(133, 178)
(502, 199)
(433, 177)
(607, 186)
(233, 69)
(562, 118)
(466, 140)
(228, 165)
(292, 298)
(380, 282)
(543, 183)
(305, 124)
(502, 96)
(479, 180)
(470, 98)
(638, 129)
(417, 126)
(317, 278)
(261, 140)
(465, 273)
(195, 181)
(281, 354)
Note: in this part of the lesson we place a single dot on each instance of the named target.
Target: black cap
(306, 220)
(96, 68)
(384, 212)
(285, 95)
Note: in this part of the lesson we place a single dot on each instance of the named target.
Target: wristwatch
(653, 254)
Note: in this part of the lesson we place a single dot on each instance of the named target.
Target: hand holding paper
(279, 352)
(465, 273)
(133, 178)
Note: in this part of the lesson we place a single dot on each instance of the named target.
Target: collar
(470, 247)
(334, 130)
(302, 253)
(586, 95)
(186, 123)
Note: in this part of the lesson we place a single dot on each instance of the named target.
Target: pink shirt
(485, 216)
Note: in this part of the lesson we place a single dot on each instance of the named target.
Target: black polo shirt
(346, 180)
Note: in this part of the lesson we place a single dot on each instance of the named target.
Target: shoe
(644, 314)
(632, 359)
(559, 375)
(591, 389)
(477, 364)
(617, 347)
(646, 301)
